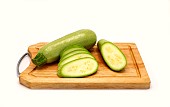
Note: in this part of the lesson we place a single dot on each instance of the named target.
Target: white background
(144, 22)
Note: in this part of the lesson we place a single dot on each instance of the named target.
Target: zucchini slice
(71, 49)
(74, 57)
(112, 55)
(74, 52)
(79, 68)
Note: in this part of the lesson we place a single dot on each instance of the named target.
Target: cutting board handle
(20, 60)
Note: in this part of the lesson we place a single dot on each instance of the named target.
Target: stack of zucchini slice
(76, 61)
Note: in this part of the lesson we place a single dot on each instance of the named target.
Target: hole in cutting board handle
(19, 62)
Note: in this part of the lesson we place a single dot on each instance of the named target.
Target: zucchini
(79, 68)
(112, 55)
(50, 52)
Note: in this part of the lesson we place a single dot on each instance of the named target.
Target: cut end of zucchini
(113, 56)
(39, 60)
(79, 68)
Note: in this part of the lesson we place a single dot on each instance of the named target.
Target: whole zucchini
(51, 51)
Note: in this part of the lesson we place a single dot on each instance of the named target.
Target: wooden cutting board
(134, 76)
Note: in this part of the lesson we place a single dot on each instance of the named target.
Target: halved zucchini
(112, 55)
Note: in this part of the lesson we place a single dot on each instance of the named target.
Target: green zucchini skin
(114, 57)
(51, 52)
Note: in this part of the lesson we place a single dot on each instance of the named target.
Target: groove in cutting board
(133, 76)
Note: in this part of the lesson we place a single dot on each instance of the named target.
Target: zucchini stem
(39, 60)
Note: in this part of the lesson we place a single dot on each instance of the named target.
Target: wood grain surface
(134, 76)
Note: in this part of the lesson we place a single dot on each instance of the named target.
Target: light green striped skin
(50, 52)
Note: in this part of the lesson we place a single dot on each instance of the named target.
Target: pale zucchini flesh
(79, 68)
